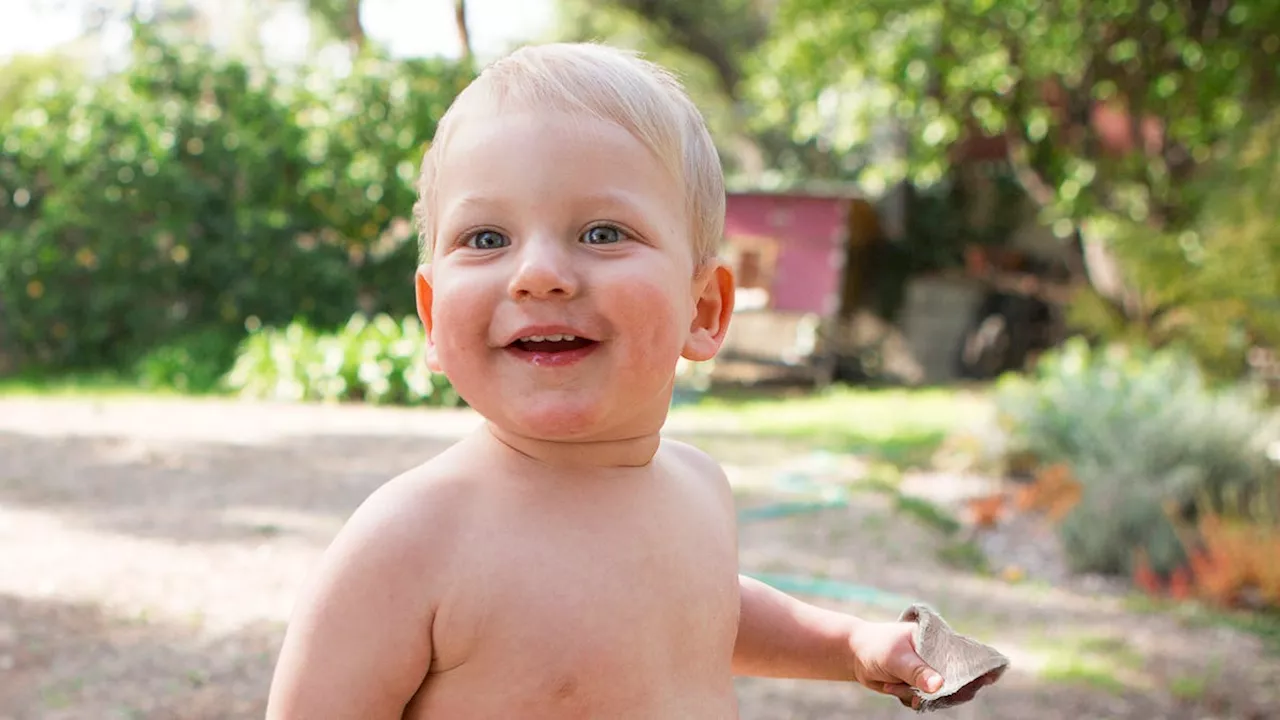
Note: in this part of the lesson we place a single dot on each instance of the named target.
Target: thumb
(922, 676)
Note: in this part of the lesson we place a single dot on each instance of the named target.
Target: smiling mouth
(551, 344)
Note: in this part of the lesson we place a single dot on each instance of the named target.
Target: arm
(782, 637)
(359, 642)
(779, 636)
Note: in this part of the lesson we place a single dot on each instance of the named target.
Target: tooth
(568, 338)
(535, 338)
(554, 338)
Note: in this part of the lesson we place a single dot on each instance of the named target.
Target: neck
(585, 454)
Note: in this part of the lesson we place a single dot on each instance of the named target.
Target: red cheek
(651, 309)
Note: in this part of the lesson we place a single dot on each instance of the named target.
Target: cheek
(656, 319)
(457, 318)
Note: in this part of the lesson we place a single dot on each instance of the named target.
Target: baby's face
(562, 289)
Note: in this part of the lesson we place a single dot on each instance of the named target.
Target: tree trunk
(464, 34)
(689, 26)
(354, 28)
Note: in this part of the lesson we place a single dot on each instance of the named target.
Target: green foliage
(195, 194)
(618, 23)
(1217, 281)
(1144, 433)
(193, 363)
(1121, 510)
(23, 74)
(1035, 71)
(376, 361)
(709, 45)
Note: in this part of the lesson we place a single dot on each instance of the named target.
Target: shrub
(193, 363)
(1231, 557)
(376, 360)
(1141, 431)
(191, 192)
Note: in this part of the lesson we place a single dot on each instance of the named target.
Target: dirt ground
(150, 551)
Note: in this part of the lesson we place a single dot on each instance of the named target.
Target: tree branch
(686, 27)
(1016, 139)
(464, 33)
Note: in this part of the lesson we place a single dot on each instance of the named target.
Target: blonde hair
(613, 85)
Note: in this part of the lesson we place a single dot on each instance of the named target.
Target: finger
(922, 676)
(902, 691)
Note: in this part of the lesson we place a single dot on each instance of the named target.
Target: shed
(791, 251)
(801, 264)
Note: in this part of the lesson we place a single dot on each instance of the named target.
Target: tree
(464, 33)
(1105, 109)
(341, 20)
(710, 45)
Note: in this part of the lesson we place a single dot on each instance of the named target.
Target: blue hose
(833, 589)
(813, 586)
(785, 509)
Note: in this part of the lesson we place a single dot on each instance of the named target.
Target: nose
(545, 271)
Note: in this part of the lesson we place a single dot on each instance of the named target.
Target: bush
(193, 194)
(193, 363)
(376, 360)
(1143, 433)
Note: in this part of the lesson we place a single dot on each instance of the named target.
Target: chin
(570, 419)
(562, 420)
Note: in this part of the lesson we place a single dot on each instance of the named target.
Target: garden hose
(815, 586)
(833, 589)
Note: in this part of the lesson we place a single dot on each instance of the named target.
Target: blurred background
(1006, 337)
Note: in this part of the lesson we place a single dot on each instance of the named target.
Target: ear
(713, 290)
(424, 295)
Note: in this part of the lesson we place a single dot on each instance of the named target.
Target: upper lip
(544, 331)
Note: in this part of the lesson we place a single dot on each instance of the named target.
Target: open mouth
(552, 344)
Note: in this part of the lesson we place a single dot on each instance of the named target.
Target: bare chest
(626, 601)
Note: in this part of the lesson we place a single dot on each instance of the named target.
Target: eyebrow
(609, 199)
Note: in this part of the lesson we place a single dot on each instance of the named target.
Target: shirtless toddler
(565, 560)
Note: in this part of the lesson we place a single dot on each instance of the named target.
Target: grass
(1074, 670)
(964, 555)
(899, 426)
(927, 514)
(1189, 688)
(92, 385)
(1091, 661)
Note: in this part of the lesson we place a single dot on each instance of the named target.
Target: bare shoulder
(698, 464)
(359, 643)
(693, 458)
(405, 523)
(416, 508)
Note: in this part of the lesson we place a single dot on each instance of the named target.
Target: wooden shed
(801, 265)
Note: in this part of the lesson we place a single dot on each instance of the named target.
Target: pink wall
(809, 232)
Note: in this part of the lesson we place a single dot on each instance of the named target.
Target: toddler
(565, 560)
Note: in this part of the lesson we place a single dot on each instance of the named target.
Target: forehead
(506, 150)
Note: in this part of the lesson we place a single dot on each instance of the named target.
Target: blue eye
(602, 235)
(488, 240)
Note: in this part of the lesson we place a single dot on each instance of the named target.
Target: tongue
(553, 346)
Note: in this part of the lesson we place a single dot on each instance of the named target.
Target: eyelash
(469, 239)
(622, 234)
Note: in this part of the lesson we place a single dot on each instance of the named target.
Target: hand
(885, 660)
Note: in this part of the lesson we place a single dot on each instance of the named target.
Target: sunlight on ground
(153, 549)
(902, 426)
(201, 584)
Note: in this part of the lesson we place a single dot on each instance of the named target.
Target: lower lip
(553, 359)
